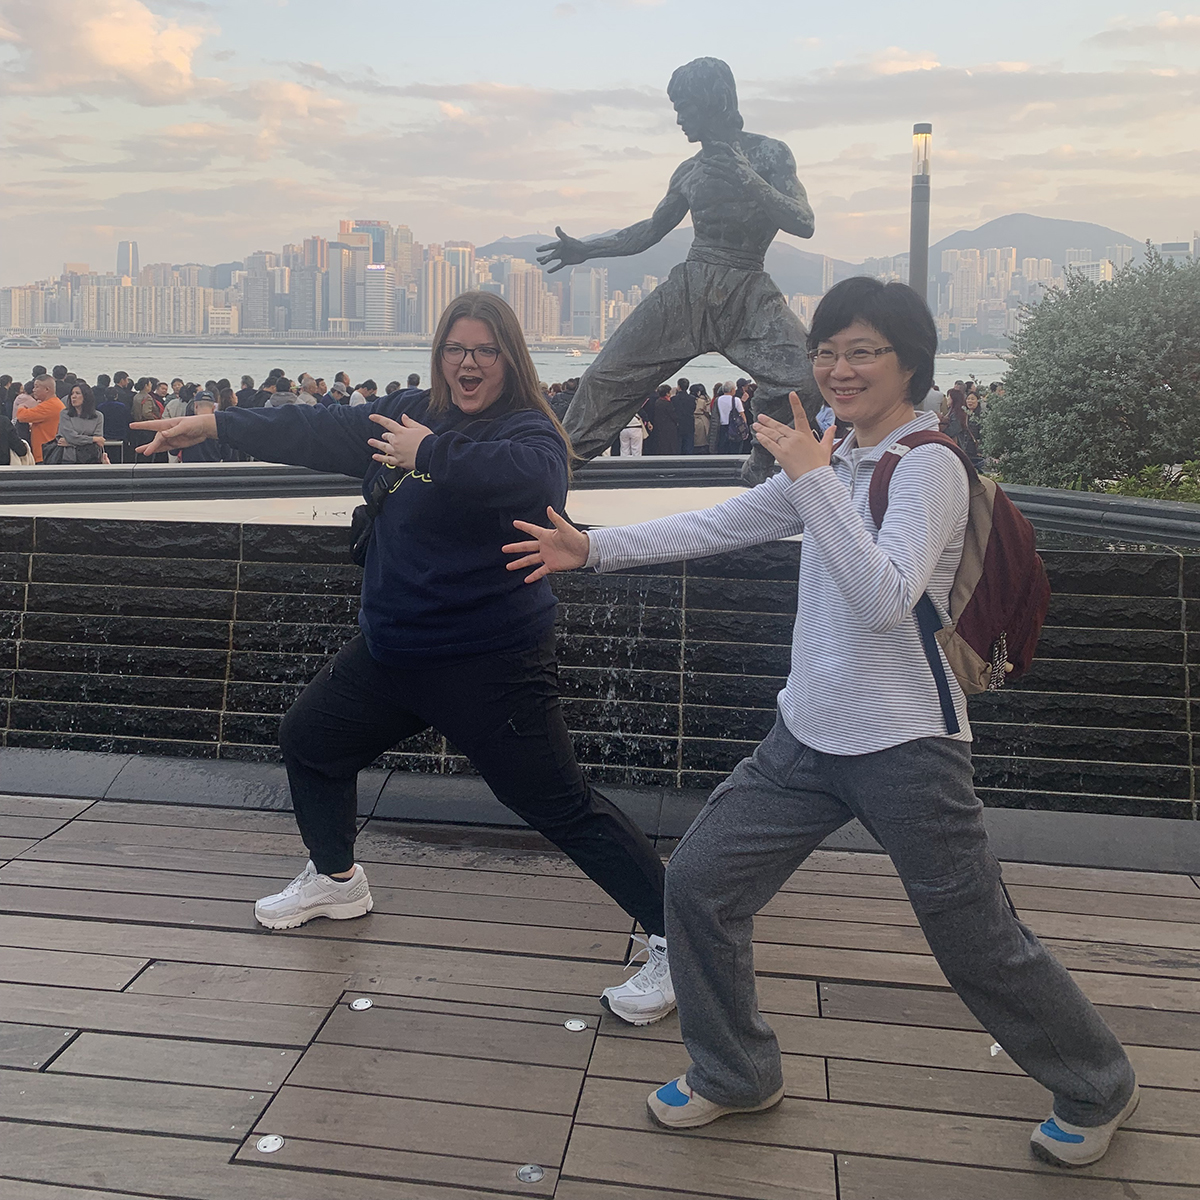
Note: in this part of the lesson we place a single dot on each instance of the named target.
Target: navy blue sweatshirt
(435, 585)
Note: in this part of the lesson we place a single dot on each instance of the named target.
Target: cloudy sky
(207, 129)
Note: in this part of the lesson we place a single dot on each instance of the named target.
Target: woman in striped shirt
(860, 733)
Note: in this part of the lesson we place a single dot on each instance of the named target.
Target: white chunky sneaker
(676, 1106)
(647, 996)
(312, 895)
(1062, 1144)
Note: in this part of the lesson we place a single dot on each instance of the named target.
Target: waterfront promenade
(151, 1033)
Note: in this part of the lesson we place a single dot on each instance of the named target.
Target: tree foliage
(1103, 380)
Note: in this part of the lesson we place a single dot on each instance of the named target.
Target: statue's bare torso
(721, 217)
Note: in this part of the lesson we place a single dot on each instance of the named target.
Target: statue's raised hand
(568, 250)
(727, 162)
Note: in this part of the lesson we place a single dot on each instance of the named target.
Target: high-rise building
(223, 322)
(1120, 256)
(1180, 252)
(589, 302)
(404, 263)
(316, 253)
(461, 256)
(380, 233)
(379, 315)
(649, 283)
(127, 259)
(1077, 256)
(258, 297)
(308, 298)
(1094, 272)
(1029, 268)
(292, 256)
(1045, 269)
(826, 274)
(340, 285)
(435, 291)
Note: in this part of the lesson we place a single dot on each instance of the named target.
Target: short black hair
(683, 384)
(414, 380)
(664, 389)
(368, 383)
(895, 311)
(103, 381)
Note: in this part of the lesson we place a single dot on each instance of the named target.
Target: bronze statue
(741, 190)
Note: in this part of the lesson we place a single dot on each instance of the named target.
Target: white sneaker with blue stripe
(1062, 1144)
(676, 1106)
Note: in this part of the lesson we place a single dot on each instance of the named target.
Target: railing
(1090, 514)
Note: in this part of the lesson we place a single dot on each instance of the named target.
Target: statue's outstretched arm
(775, 188)
(569, 251)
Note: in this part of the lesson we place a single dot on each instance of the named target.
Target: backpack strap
(928, 621)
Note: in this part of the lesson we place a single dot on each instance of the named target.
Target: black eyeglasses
(484, 356)
(859, 356)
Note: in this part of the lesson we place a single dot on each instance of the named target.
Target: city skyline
(199, 128)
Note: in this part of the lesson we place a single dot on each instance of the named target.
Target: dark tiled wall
(193, 639)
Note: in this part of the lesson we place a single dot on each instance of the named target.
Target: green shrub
(1162, 483)
(1103, 380)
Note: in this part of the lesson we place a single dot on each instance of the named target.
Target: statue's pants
(701, 308)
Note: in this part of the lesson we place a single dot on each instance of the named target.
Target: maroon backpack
(1000, 593)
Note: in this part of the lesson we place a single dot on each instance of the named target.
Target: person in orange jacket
(42, 415)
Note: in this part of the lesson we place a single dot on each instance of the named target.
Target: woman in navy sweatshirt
(449, 638)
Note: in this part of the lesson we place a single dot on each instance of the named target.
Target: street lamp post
(918, 235)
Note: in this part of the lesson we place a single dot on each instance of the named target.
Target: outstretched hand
(798, 450)
(729, 162)
(560, 548)
(397, 444)
(568, 251)
(176, 433)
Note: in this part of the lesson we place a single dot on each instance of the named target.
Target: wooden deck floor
(151, 1033)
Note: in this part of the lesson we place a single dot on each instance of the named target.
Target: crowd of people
(57, 418)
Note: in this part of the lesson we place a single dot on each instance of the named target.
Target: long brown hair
(521, 387)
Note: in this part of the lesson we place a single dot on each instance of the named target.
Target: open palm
(560, 548)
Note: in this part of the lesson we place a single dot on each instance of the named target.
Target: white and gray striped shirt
(859, 679)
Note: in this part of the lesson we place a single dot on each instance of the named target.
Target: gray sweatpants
(918, 801)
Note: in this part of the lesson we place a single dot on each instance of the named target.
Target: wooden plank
(1171, 995)
(1142, 883)
(256, 1069)
(42, 806)
(391, 967)
(1125, 958)
(350, 1166)
(797, 996)
(842, 935)
(861, 1178)
(825, 962)
(543, 1043)
(82, 832)
(250, 984)
(192, 1169)
(193, 816)
(279, 1025)
(30, 827)
(133, 1105)
(897, 1133)
(29, 1046)
(17, 1189)
(655, 1062)
(105, 971)
(668, 1163)
(1085, 927)
(814, 906)
(1106, 904)
(912, 1006)
(443, 930)
(823, 1037)
(492, 896)
(935, 1090)
(432, 1077)
(11, 847)
(277, 868)
(399, 1123)
(582, 1189)
(474, 993)
(487, 1011)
